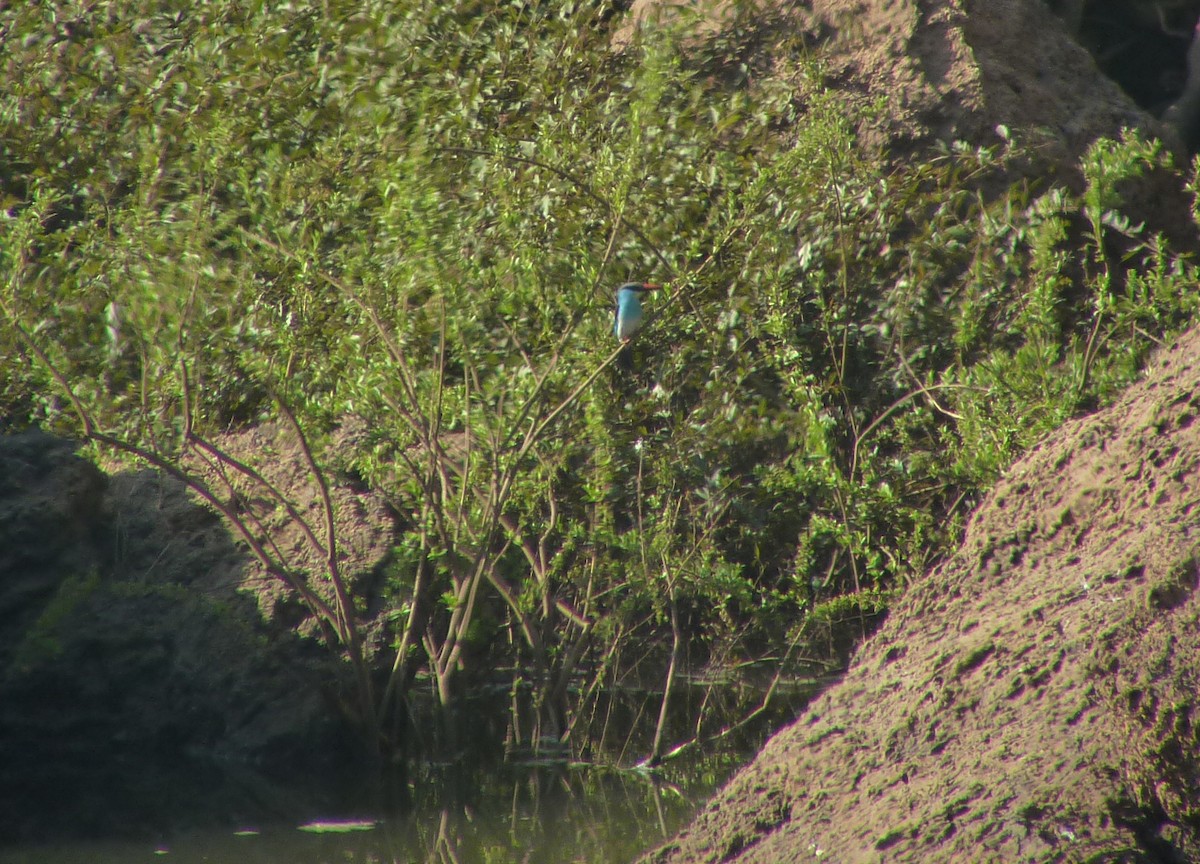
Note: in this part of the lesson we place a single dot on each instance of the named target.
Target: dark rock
(138, 686)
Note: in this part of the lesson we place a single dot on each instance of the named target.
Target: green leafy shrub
(411, 217)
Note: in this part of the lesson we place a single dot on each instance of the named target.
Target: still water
(484, 805)
(534, 814)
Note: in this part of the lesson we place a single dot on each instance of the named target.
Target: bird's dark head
(638, 287)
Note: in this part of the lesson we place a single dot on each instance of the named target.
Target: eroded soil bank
(1034, 698)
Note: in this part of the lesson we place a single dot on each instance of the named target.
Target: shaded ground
(1033, 699)
(140, 686)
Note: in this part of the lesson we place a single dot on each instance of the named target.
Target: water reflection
(527, 814)
(494, 801)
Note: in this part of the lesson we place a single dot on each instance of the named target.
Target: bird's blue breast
(629, 314)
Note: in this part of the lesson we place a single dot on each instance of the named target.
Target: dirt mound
(364, 525)
(927, 74)
(959, 70)
(944, 70)
(1036, 697)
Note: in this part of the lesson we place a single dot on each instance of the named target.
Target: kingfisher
(629, 315)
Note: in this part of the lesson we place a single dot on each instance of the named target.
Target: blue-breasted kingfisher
(629, 315)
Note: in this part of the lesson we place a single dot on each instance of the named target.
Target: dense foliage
(408, 218)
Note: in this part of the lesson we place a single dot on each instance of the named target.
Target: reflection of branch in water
(658, 809)
(446, 845)
(698, 741)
